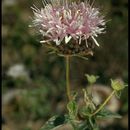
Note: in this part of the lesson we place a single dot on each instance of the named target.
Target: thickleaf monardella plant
(70, 28)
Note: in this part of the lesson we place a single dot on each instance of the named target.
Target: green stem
(67, 78)
(104, 103)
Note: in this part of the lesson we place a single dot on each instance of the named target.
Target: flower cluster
(61, 21)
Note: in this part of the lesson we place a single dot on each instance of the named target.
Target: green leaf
(85, 111)
(59, 120)
(83, 126)
(49, 124)
(91, 122)
(54, 122)
(74, 95)
(51, 52)
(73, 109)
(105, 114)
(118, 94)
(91, 78)
(82, 57)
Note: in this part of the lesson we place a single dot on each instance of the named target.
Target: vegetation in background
(43, 93)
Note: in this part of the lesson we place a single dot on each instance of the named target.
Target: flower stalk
(104, 103)
(67, 77)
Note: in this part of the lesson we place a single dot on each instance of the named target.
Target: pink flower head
(60, 21)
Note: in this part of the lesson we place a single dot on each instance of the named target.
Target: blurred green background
(33, 82)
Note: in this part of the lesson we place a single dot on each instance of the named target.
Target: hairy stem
(67, 77)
